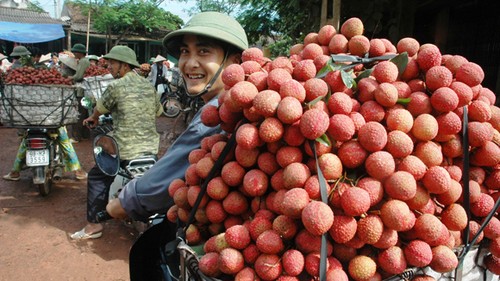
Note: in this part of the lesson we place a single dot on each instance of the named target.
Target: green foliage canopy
(125, 17)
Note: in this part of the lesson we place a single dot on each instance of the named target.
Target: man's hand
(90, 122)
(115, 209)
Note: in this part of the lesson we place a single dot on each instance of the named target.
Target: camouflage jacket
(134, 105)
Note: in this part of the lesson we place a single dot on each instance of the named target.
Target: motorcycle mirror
(86, 102)
(106, 154)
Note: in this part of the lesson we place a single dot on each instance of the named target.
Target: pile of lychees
(388, 137)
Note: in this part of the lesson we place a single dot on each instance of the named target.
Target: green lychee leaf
(314, 101)
(363, 74)
(404, 101)
(401, 61)
(325, 69)
(347, 79)
(324, 140)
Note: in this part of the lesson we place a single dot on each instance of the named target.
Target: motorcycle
(44, 157)
(107, 159)
(175, 102)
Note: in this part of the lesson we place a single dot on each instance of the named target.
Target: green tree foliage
(278, 24)
(35, 6)
(126, 17)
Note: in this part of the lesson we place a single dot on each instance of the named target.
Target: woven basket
(24, 106)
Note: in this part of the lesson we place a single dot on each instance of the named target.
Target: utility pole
(88, 26)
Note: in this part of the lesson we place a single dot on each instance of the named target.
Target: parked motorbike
(176, 102)
(44, 157)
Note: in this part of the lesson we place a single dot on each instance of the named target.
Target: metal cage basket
(38, 105)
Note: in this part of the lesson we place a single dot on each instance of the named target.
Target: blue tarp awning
(30, 32)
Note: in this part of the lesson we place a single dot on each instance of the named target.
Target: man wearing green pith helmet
(205, 46)
(134, 104)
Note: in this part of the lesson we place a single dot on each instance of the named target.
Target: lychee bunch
(383, 182)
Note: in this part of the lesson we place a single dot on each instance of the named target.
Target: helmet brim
(118, 58)
(173, 39)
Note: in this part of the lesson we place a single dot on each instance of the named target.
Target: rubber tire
(46, 187)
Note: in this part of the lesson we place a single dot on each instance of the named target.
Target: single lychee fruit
(271, 130)
(418, 253)
(386, 94)
(352, 27)
(210, 116)
(277, 77)
(429, 152)
(339, 103)
(238, 237)
(444, 99)
(399, 144)
(380, 165)
(343, 228)
(255, 183)
(400, 185)
(385, 71)
(355, 201)
(294, 201)
(438, 76)
(314, 123)
(409, 45)
(362, 268)
(269, 242)
(209, 264)
(304, 70)
(428, 56)
(230, 261)
(437, 180)
(392, 260)
(293, 262)
(289, 110)
(338, 44)
(443, 259)
(377, 48)
(252, 53)
(233, 74)
(285, 226)
(420, 103)
(370, 229)
(359, 45)
(317, 217)
(372, 136)
(372, 111)
(399, 119)
(352, 154)
(268, 266)
(470, 73)
(235, 203)
(425, 127)
(454, 217)
(266, 102)
(315, 88)
(243, 93)
(394, 213)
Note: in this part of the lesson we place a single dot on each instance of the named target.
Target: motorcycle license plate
(37, 157)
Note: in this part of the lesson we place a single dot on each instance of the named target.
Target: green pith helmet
(79, 48)
(20, 51)
(123, 54)
(210, 24)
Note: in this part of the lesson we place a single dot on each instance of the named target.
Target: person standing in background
(158, 74)
(78, 131)
(18, 55)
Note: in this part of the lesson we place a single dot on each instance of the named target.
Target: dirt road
(34, 230)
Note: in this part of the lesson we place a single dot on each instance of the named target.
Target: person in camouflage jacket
(134, 105)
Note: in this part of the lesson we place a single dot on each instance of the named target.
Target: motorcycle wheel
(46, 187)
(172, 108)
